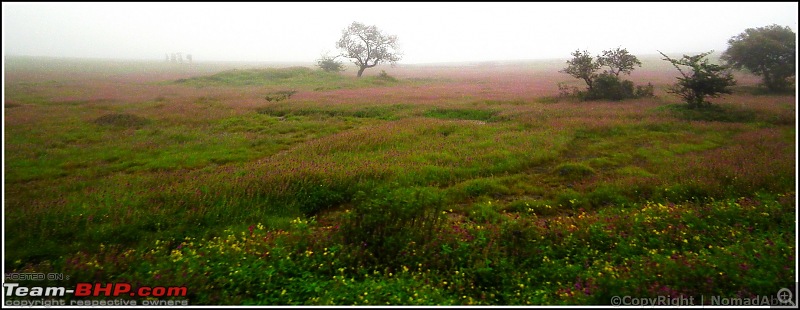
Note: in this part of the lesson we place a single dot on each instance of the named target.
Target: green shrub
(644, 91)
(608, 86)
(383, 76)
(329, 64)
(565, 91)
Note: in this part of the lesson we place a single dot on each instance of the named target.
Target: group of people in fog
(177, 57)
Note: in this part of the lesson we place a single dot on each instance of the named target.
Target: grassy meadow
(438, 185)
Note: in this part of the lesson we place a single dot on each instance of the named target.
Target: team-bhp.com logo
(85, 289)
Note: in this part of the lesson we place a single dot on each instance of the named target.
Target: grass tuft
(122, 120)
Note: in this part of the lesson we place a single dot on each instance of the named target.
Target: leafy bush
(704, 80)
(611, 87)
(608, 86)
(386, 77)
(329, 64)
(565, 91)
(644, 91)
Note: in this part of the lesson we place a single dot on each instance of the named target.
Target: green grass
(713, 113)
(369, 202)
(297, 77)
(383, 112)
(465, 114)
(121, 120)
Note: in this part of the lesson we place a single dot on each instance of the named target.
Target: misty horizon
(436, 33)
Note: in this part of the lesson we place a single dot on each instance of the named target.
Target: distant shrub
(386, 77)
(611, 87)
(280, 95)
(121, 120)
(644, 91)
(329, 64)
(608, 86)
(565, 91)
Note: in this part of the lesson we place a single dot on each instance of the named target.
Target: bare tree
(367, 46)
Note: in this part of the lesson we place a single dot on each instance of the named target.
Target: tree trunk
(361, 71)
(768, 81)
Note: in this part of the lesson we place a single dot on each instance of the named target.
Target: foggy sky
(428, 32)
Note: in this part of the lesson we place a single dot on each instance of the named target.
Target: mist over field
(427, 32)
(294, 154)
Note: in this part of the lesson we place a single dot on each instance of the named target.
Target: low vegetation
(121, 120)
(293, 77)
(607, 85)
(360, 196)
